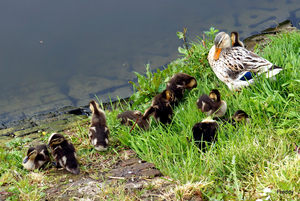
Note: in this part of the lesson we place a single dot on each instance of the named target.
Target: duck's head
(55, 139)
(222, 40)
(215, 95)
(241, 116)
(31, 154)
(94, 107)
(235, 40)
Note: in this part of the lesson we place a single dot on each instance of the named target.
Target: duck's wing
(249, 60)
(243, 64)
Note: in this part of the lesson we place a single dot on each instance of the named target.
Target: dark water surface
(59, 53)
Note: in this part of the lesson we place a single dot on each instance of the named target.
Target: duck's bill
(25, 159)
(217, 53)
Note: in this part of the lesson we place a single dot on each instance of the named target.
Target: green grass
(245, 160)
(240, 165)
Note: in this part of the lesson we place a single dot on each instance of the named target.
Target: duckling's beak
(25, 159)
(217, 53)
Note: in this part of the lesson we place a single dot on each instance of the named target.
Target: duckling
(36, 157)
(98, 131)
(63, 152)
(161, 108)
(212, 105)
(239, 116)
(131, 116)
(178, 83)
(205, 132)
(235, 39)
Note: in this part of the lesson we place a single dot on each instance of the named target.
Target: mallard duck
(179, 83)
(63, 152)
(161, 107)
(98, 131)
(36, 157)
(212, 105)
(205, 132)
(129, 117)
(237, 66)
(235, 39)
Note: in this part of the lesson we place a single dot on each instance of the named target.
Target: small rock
(131, 185)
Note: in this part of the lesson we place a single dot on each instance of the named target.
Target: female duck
(236, 66)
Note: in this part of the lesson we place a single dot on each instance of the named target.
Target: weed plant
(248, 162)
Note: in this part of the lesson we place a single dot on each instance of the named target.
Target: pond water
(59, 53)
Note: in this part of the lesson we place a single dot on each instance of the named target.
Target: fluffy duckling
(161, 108)
(236, 66)
(239, 116)
(212, 105)
(178, 83)
(134, 116)
(36, 157)
(235, 39)
(98, 131)
(63, 152)
(205, 132)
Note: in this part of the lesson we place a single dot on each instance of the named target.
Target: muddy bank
(53, 121)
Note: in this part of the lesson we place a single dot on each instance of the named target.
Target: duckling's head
(138, 113)
(55, 139)
(94, 107)
(241, 116)
(31, 154)
(215, 95)
(235, 40)
(222, 40)
(169, 95)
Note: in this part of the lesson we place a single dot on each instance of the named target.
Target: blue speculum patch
(247, 76)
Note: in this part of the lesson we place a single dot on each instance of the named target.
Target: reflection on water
(58, 53)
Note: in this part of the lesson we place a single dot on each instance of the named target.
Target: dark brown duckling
(161, 107)
(63, 152)
(129, 117)
(239, 116)
(36, 157)
(98, 131)
(235, 40)
(179, 83)
(205, 132)
(212, 105)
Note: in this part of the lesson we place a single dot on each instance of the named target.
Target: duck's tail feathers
(274, 70)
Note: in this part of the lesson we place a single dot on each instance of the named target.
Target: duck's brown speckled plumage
(234, 62)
